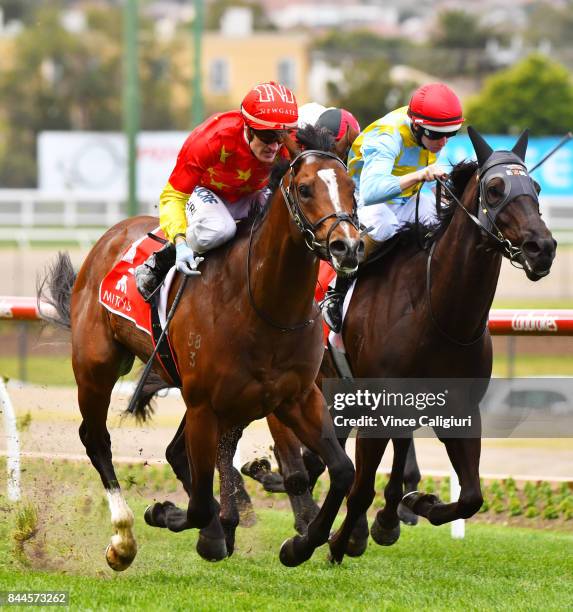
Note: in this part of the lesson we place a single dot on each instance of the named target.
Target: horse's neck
(283, 271)
(464, 277)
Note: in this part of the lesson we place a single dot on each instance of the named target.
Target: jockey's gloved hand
(185, 260)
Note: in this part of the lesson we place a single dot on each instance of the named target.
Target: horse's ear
(290, 145)
(482, 149)
(520, 147)
(342, 147)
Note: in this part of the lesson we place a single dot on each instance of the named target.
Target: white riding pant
(211, 221)
(389, 219)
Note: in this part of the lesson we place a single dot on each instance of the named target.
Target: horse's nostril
(338, 247)
(531, 247)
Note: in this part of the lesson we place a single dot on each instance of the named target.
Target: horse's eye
(494, 194)
(304, 191)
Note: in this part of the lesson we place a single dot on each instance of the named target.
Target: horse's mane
(308, 137)
(456, 183)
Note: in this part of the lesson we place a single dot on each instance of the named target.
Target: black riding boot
(151, 273)
(333, 301)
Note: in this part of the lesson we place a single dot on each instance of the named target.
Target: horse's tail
(143, 406)
(54, 292)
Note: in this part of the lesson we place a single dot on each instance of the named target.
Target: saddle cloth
(119, 294)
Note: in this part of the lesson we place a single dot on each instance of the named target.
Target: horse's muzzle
(537, 257)
(346, 254)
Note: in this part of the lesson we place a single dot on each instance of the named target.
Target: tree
(536, 93)
(66, 81)
(216, 9)
(368, 92)
(548, 22)
(459, 30)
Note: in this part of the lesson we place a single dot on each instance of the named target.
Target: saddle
(119, 294)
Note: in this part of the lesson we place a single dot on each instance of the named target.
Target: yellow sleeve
(172, 217)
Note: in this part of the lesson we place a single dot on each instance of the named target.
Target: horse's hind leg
(412, 479)
(464, 453)
(96, 373)
(295, 476)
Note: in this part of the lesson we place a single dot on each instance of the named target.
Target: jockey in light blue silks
(389, 163)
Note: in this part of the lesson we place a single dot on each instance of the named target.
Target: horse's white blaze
(328, 175)
(121, 514)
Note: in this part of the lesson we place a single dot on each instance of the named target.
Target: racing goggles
(270, 136)
(431, 135)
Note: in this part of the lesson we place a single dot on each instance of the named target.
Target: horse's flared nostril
(338, 248)
(536, 248)
(531, 248)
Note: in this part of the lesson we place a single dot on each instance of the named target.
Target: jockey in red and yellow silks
(223, 166)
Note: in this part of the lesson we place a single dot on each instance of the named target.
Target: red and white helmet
(337, 121)
(270, 106)
(437, 108)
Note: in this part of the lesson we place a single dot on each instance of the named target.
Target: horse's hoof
(288, 555)
(154, 515)
(210, 549)
(116, 561)
(406, 515)
(255, 468)
(335, 555)
(419, 503)
(273, 483)
(176, 519)
(356, 547)
(383, 536)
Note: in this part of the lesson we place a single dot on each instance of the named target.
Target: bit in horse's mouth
(346, 272)
(530, 271)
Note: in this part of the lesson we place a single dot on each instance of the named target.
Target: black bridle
(307, 229)
(512, 171)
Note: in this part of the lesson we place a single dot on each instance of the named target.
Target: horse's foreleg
(312, 424)
(201, 441)
(464, 453)
(93, 398)
(385, 529)
(167, 514)
(369, 452)
(295, 476)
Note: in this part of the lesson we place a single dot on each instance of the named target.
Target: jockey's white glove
(185, 260)
(432, 172)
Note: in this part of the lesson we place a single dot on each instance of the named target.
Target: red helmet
(436, 107)
(337, 121)
(270, 106)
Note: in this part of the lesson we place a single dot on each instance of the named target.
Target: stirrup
(146, 292)
(331, 308)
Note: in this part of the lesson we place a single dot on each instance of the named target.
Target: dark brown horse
(424, 315)
(247, 339)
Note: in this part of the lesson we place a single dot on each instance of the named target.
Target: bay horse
(247, 339)
(423, 314)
